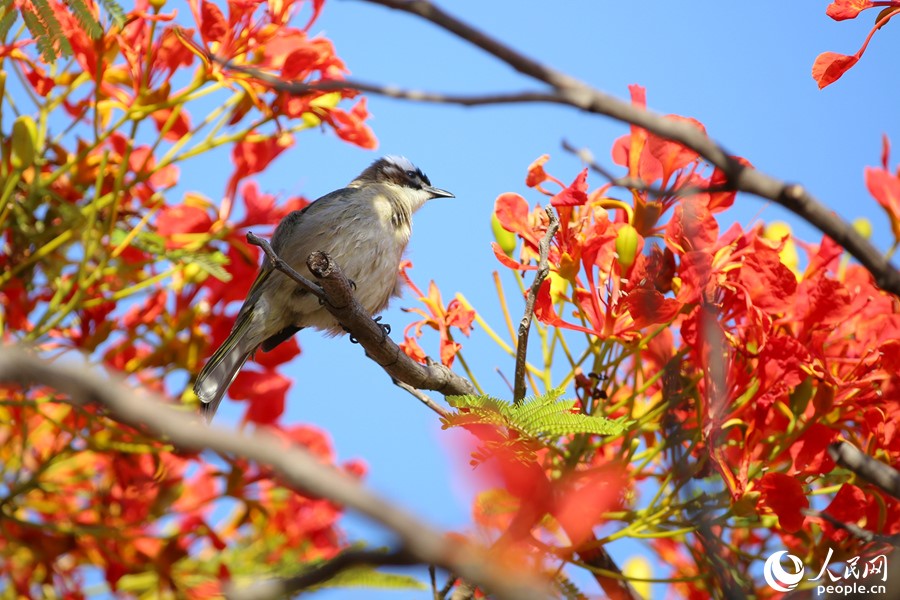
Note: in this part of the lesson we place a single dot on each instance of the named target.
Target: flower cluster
(100, 257)
(736, 362)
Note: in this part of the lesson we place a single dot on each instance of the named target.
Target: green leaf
(211, 263)
(85, 18)
(53, 26)
(543, 416)
(40, 34)
(8, 18)
(115, 12)
(369, 577)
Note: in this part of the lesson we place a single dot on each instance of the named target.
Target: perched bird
(364, 227)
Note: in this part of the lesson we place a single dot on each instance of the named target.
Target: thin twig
(854, 529)
(294, 465)
(639, 185)
(525, 323)
(423, 398)
(875, 472)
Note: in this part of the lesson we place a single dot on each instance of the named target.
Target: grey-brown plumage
(365, 227)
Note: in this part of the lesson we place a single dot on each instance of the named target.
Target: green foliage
(46, 29)
(539, 417)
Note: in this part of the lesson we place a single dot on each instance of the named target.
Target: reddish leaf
(840, 10)
(830, 66)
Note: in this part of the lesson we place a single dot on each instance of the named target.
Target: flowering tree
(728, 395)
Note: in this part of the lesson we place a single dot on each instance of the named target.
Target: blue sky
(742, 69)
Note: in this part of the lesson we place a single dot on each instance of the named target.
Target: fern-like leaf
(85, 18)
(115, 12)
(40, 34)
(8, 18)
(53, 27)
(539, 417)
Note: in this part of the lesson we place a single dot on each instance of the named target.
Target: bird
(365, 227)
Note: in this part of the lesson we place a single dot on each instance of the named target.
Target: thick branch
(525, 323)
(293, 465)
(866, 467)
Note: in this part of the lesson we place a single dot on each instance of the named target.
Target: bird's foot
(385, 327)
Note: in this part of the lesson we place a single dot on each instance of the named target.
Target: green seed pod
(505, 239)
(24, 141)
(627, 242)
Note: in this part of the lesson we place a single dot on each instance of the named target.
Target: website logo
(857, 578)
(779, 579)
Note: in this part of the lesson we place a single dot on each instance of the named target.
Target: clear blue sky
(743, 69)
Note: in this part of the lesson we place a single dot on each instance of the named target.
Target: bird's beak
(438, 192)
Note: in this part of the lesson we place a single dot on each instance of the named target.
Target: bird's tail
(223, 366)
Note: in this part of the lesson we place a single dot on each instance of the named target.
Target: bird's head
(399, 171)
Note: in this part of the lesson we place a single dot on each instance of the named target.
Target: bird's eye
(411, 174)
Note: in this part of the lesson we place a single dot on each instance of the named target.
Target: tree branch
(273, 589)
(336, 294)
(573, 92)
(525, 323)
(866, 467)
(295, 466)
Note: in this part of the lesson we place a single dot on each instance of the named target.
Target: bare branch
(295, 466)
(423, 398)
(273, 589)
(639, 185)
(525, 323)
(866, 467)
(854, 529)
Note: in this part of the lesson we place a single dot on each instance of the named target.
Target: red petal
(830, 66)
(265, 392)
(840, 10)
(280, 354)
(182, 219)
(810, 451)
(784, 496)
(536, 173)
(575, 194)
(849, 504)
(649, 306)
(212, 25)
